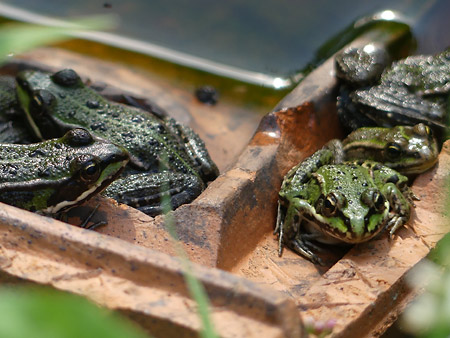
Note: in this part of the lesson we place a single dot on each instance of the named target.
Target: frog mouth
(333, 235)
(419, 169)
(86, 195)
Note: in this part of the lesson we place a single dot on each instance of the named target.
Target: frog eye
(332, 204)
(41, 101)
(423, 130)
(87, 167)
(393, 150)
(66, 78)
(374, 199)
(78, 137)
(90, 171)
(378, 201)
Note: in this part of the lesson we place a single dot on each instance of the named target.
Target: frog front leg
(399, 207)
(289, 229)
(147, 191)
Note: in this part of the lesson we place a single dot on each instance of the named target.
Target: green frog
(408, 149)
(350, 190)
(55, 175)
(350, 202)
(166, 157)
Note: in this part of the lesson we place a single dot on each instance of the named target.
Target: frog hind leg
(349, 115)
(196, 149)
(302, 172)
(155, 193)
(289, 230)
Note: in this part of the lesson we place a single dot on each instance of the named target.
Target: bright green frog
(349, 202)
(340, 194)
(166, 158)
(55, 175)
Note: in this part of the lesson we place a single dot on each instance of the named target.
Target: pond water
(275, 38)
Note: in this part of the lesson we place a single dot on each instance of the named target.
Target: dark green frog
(408, 149)
(55, 175)
(166, 158)
(413, 90)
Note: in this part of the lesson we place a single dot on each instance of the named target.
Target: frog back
(71, 104)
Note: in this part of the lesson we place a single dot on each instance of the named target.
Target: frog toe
(395, 223)
(303, 248)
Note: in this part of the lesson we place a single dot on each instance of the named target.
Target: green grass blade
(196, 289)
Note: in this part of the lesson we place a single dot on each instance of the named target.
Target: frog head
(40, 95)
(407, 149)
(58, 174)
(95, 164)
(340, 203)
(349, 208)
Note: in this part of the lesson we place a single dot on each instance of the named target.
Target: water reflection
(258, 41)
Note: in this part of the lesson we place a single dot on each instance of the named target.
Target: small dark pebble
(207, 94)
(107, 5)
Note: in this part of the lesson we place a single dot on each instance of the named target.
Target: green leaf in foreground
(43, 313)
(195, 287)
(18, 37)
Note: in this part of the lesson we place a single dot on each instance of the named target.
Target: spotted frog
(410, 150)
(344, 194)
(350, 202)
(413, 90)
(55, 175)
(166, 157)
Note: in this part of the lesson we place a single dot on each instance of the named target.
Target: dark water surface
(273, 37)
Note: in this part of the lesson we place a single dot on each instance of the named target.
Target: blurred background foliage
(16, 38)
(40, 312)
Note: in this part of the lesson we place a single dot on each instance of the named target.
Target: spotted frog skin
(350, 190)
(413, 90)
(350, 202)
(408, 149)
(166, 158)
(55, 175)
